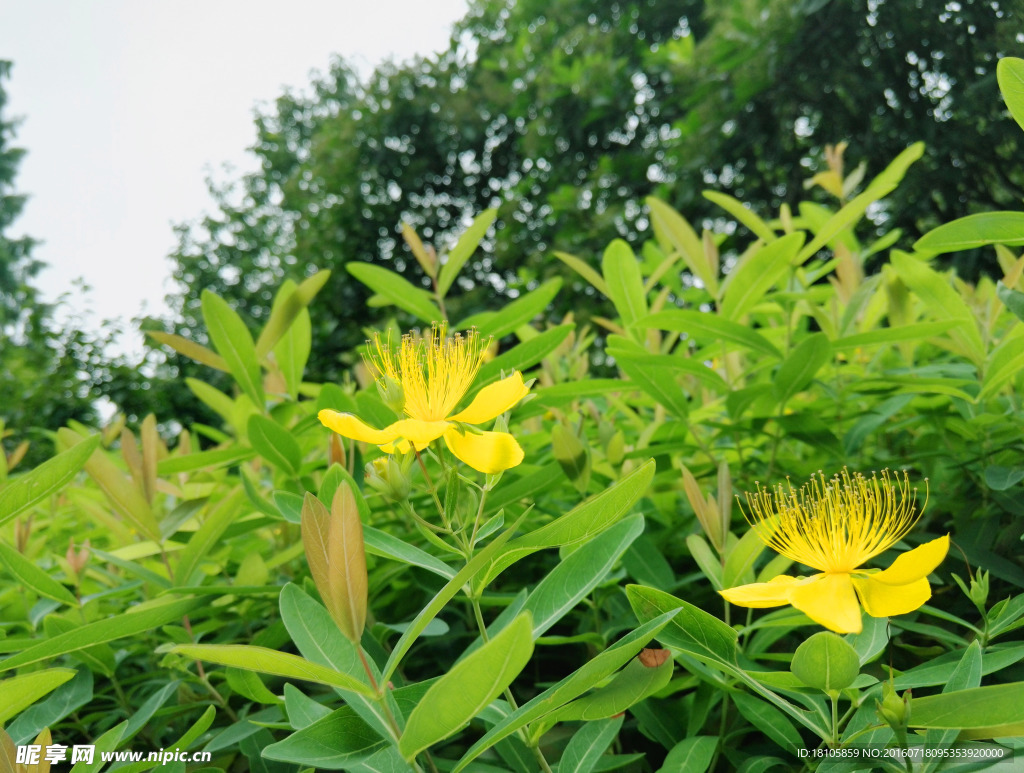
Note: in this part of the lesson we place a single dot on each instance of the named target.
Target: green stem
(834, 695)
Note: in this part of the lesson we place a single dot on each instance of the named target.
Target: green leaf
(523, 356)
(517, 313)
(582, 522)
(288, 306)
(625, 283)
(397, 290)
(107, 742)
(274, 443)
(800, 367)
(673, 231)
(880, 187)
(588, 744)
(67, 698)
(468, 688)
(826, 661)
(966, 675)
(1010, 76)
(998, 704)
(382, 544)
(630, 686)
(757, 273)
(302, 710)
(204, 460)
(973, 231)
(190, 349)
(655, 379)
(584, 269)
(1012, 299)
(919, 331)
(743, 213)
(1004, 364)
(871, 641)
(692, 630)
(293, 350)
(20, 692)
(443, 596)
(571, 455)
(124, 494)
(34, 578)
(463, 249)
(120, 626)
(943, 301)
(20, 493)
(268, 661)
(233, 342)
(333, 742)
(691, 755)
(769, 720)
(704, 326)
(740, 560)
(593, 671)
(579, 573)
(214, 399)
(217, 521)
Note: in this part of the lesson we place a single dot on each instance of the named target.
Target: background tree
(46, 372)
(564, 114)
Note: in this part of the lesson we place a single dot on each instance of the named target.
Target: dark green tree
(564, 114)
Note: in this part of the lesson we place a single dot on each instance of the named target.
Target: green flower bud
(391, 393)
(390, 477)
(893, 709)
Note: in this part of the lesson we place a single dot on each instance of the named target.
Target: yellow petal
(884, 600)
(487, 452)
(773, 593)
(493, 400)
(829, 600)
(349, 426)
(419, 433)
(915, 564)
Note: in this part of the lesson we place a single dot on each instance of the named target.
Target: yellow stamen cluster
(835, 525)
(435, 370)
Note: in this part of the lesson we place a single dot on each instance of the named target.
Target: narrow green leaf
(591, 673)
(234, 343)
(107, 742)
(191, 349)
(582, 268)
(217, 521)
(756, 274)
(973, 231)
(463, 250)
(692, 630)
(583, 522)
(578, 574)
(126, 497)
(293, 350)
(517, 313)
(382, 544)
(919, 331)
(1004, 363)
(967, 675)
(625, 283)
(468, 688)
(68, 697)
(216, 400)
(1010, 76)
(274, 443)
(204, 460)
(743, 213)
(20, 692)
(631, 685)
(942, 300)
(19, 493)
(396, 290)
(334, 742)
(799, 368)
(524, 355)
(998, 704)
(880, 187)
(268, 661)
(290, 302)
(674, 232)
(588, 745)
(769, 720)
(443, 596)
(34, 578)
(118, 627)
(691, 755)
(705, 327)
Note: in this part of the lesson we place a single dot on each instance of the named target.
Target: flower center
(835, 525)
(435, 370)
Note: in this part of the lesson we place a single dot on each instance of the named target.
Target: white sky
(128, 106)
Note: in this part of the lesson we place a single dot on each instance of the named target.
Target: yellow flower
(429, 375)
(835, 526)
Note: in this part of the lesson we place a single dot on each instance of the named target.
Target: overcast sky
(128, 106)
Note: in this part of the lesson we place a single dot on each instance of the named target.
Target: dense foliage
(290, 599)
